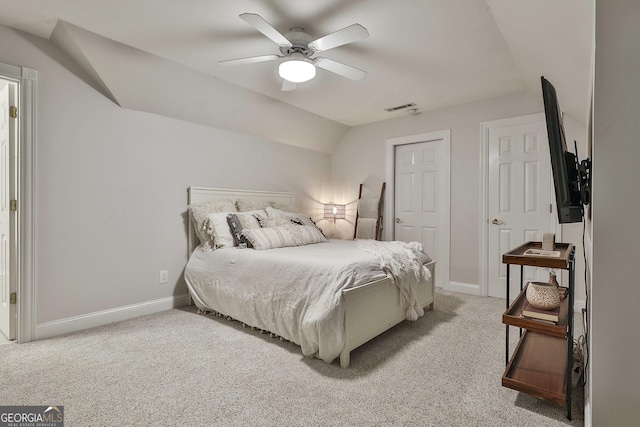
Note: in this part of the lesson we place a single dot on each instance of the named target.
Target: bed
(348, 297)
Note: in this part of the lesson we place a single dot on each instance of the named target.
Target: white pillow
(199, 211)
(277, 213)
(293, 217)
(283, 236)
(251, 205)
(283, 207)
(219, 231)
(265, 221)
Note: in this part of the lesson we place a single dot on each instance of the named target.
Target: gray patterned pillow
(242, 221)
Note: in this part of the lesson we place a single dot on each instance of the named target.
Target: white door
(421, 205)
(520, 195)
(7, 310)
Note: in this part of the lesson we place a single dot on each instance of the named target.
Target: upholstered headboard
(205, 194)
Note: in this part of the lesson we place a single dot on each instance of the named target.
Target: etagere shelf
(542, 361)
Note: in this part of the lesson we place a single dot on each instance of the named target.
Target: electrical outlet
(164, 276)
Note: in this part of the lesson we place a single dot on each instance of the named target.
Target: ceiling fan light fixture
(297, 69)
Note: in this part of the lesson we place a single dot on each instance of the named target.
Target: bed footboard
(375, 307)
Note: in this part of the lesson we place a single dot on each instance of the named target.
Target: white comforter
(294, 292)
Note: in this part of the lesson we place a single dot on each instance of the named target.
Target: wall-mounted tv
(571, 179)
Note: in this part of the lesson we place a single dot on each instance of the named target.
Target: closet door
(421, 200)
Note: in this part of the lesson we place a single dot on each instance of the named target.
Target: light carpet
(179, 368)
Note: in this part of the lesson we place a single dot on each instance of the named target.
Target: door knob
(496, 221)
(399, 221)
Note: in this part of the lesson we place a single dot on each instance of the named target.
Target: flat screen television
(564, 164)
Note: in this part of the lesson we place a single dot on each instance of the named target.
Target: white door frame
(389, 214)
(485, 127)
(26, 197)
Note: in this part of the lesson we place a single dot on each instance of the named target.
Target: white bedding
(294, 292)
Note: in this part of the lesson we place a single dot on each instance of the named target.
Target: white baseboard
(463, 288)
(99, 318)
(578, 305)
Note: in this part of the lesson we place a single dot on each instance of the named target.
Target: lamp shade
(334, 211)
(297, 69)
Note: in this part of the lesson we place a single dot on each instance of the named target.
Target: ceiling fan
(299, 48)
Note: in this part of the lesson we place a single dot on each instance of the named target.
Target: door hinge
(13, 205)
(550, 208)
(13, 298)
(13, 112)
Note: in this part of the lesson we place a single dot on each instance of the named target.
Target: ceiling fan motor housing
(299, 39)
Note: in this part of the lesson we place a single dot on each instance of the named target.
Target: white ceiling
(435, 53)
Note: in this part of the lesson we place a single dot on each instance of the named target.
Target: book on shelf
(536, 313)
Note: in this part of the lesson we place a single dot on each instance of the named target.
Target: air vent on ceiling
(400, 107)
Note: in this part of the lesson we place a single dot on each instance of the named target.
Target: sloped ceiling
(435, 53)
(138, 80)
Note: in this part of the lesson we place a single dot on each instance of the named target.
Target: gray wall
(614, 395)
(112, 186)
(361, 157)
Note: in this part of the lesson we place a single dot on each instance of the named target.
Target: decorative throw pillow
(199, 211)
(283, 207)
(242, 221)
(236, 231)
(265, 221)
(283, 236)
(251, 205)
(307, 234)
(277, 213)
(261, 216)
(293, 217)
(219, 231)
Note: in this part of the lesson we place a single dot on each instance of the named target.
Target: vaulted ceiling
(434, 53)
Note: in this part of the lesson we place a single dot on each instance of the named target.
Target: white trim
(99, 318)
(464, 288)
(11, 88)
(28, 79)
(485, 127)
(389, 215)
(10, 71)
(27, 285)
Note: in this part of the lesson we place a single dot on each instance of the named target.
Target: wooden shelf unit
(538, 367)
(513, 316)
(542, 361)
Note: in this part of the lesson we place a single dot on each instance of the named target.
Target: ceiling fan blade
(341, 37)
(257, 22)
(250, 60)
(288, 86)
(340, 68)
